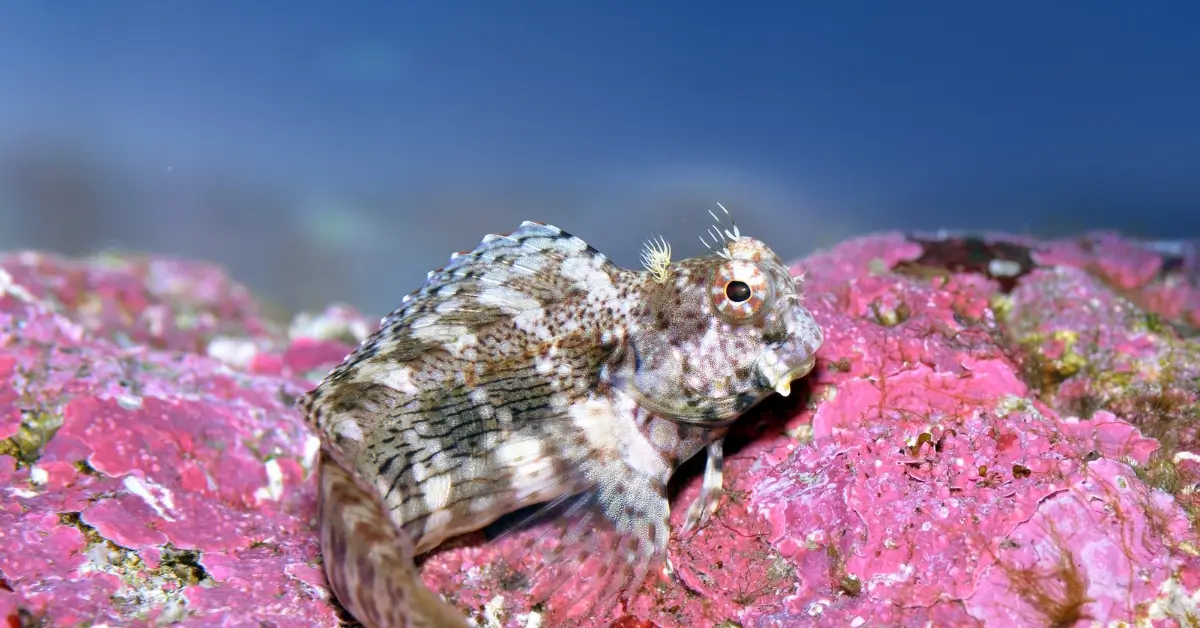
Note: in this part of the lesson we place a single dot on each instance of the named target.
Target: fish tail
(369, 561)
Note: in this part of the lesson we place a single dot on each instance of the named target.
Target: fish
(533, 370)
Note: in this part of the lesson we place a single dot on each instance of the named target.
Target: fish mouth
(782, 382)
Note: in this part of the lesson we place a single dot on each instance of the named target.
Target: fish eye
(739, 290)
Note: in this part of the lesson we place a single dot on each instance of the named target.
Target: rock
(145, 480)
(1000, 431)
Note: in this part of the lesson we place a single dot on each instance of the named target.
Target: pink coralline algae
(1000, 431)
(147, 479)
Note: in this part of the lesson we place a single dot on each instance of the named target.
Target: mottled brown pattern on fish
(375, 561)
(532, 369)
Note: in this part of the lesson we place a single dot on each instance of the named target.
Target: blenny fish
(533, 368)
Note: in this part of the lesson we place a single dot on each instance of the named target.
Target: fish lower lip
(783, 385)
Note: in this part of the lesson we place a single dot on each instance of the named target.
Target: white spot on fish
(507, 300)
(438, 333)
(399, 379)
(611, 427)
(533, 321)
(587, 274)
(438, 520)
(350, 430)
(513, 453)
(437, 491)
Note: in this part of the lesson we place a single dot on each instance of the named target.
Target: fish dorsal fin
(536, 266)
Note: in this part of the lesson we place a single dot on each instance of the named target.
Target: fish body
(532, 369)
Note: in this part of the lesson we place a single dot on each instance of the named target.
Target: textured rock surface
(999, 431)
(151, 464)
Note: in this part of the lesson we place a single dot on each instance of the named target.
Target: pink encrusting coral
(999, 431)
